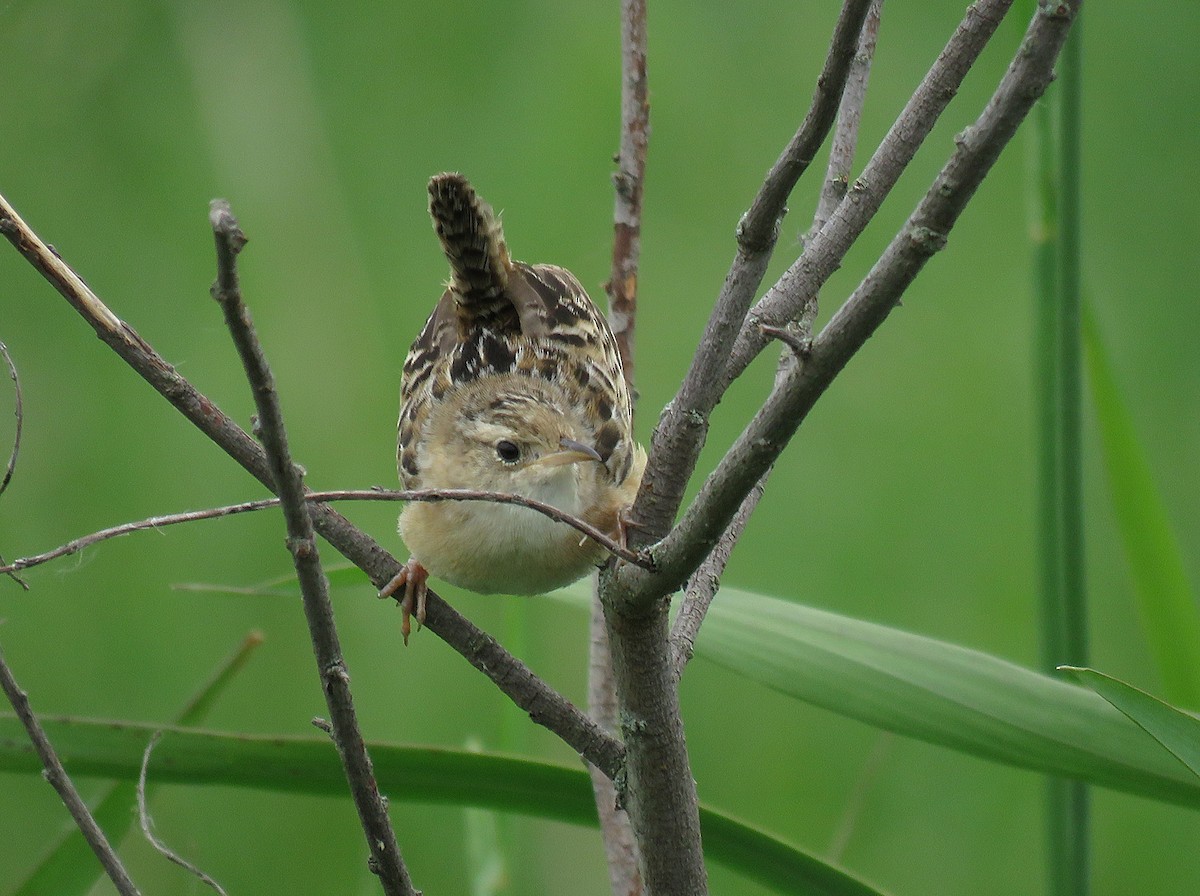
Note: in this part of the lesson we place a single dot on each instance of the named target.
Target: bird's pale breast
(496, 548)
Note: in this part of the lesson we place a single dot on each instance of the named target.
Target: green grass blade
(1177, 731)
(421, 774)
(1165, 600)
(1060, 435)
(940, 693)
(1054, 177)
(69, 866)
(343, 575)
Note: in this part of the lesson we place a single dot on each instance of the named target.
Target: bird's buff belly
(496, 548)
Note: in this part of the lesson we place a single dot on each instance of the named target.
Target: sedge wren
(514, 385)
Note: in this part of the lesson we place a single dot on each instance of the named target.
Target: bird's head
(522, 438)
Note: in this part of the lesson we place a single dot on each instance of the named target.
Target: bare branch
(61, 782)
(545, 705)
(706, 580)
(759, 228)
(704, 583)
(660, 792)
(620, 846)
(824, 254)
(800, 284)
(146, 823)
(844, 143)
(924, 234)
(683, 425)
(155, 522)
(378, 494)
(386, 860)
(628, 180)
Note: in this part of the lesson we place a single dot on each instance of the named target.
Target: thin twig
(386, 861)
(147, 822)
(620, 844)
(925, 233)
(19, 412)
(61, 782)
(155, 522)
(759, 227)
(628, 180)
(843, 145)
(428, 495)
(683, 425)
(703, 584)
(544, 705)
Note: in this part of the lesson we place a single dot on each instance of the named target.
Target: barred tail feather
(473, 242)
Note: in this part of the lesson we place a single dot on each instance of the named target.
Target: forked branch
(683, 425)
(703, 584)
(925, 233)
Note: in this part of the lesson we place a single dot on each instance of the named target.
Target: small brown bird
(514, 385)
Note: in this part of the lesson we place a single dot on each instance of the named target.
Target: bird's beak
(573, 452)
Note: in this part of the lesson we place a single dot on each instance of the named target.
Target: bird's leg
(624, 523)
(412, 577)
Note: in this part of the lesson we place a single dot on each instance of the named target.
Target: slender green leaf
(940, 693)
(1166, 602)
(422, 774)
(69, 865)
(1177, 731)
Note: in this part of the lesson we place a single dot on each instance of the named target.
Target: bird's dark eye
(508, 451)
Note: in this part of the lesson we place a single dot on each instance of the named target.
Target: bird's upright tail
(474, 245)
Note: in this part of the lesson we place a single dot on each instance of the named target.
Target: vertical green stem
(1059, 434)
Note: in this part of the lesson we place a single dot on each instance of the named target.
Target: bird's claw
(412, 577)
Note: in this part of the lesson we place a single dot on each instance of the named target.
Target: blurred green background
(907, 497)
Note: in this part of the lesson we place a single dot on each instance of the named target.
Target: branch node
(337, 671)
(801, 345)
(1054, 10)
(301, 547)
(926, 240)
(753, 243)
(631, 726)
(226, 226)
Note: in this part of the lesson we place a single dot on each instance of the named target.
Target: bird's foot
(624, 523)
(412, 577)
